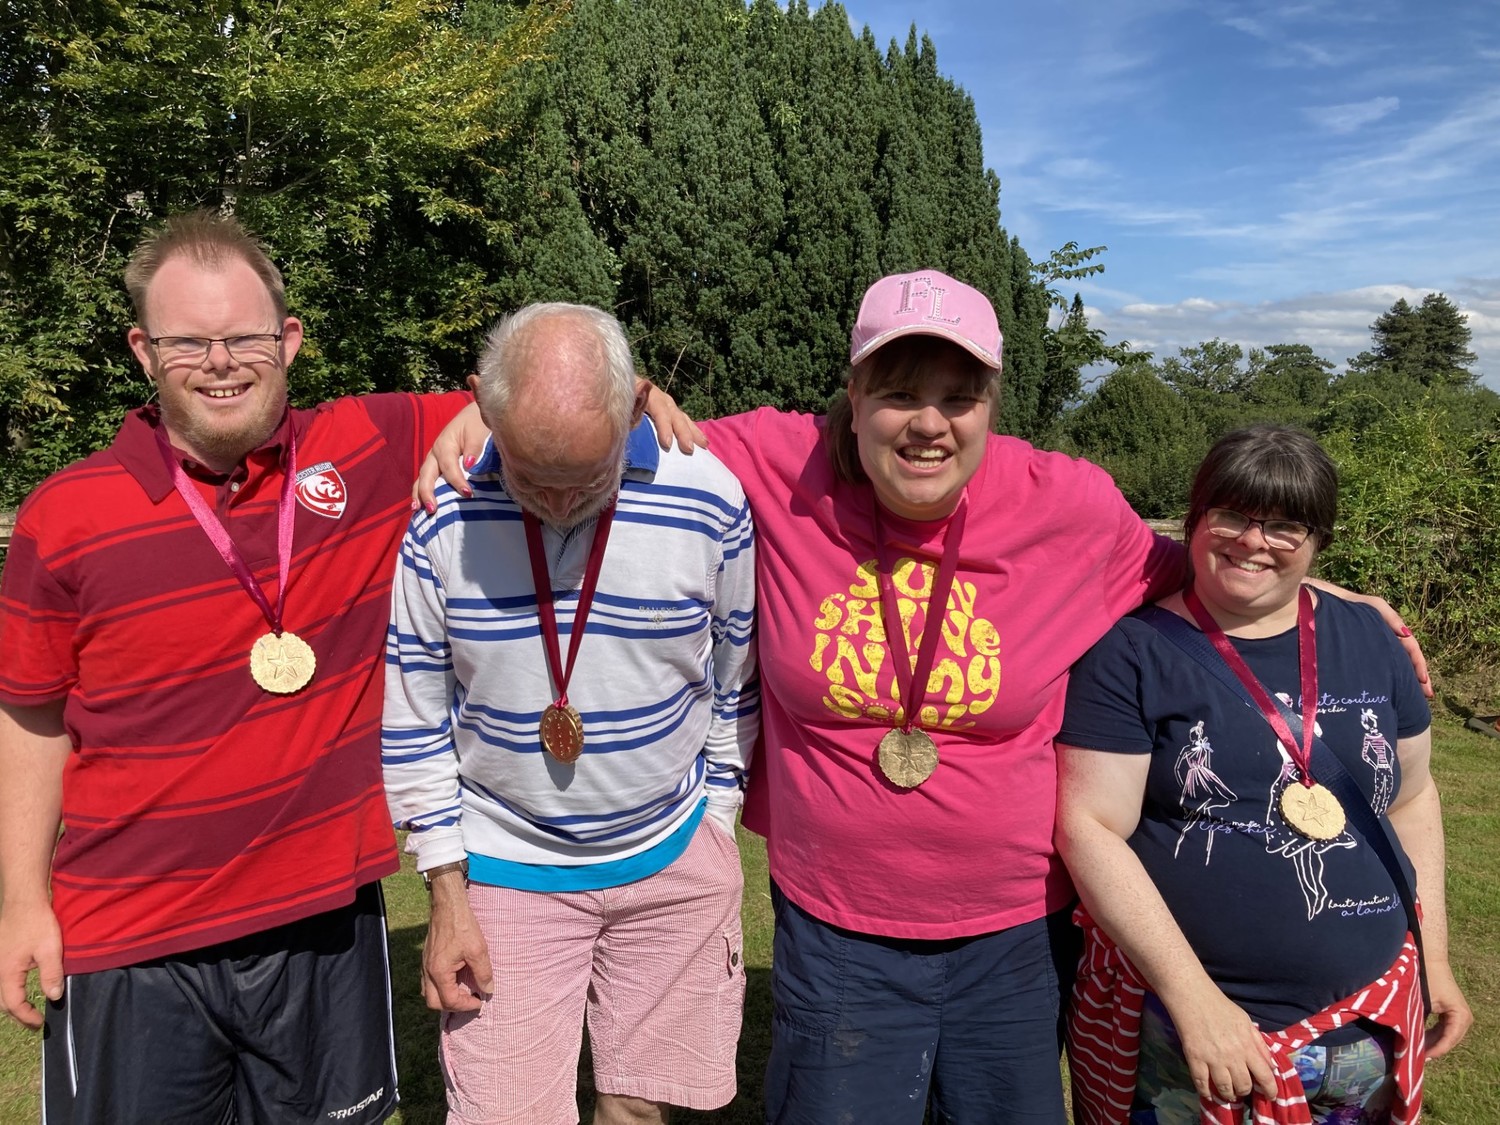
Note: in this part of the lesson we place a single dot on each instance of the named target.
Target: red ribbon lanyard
(1307, 659)
(542, 582)
(907, 677)
(218, 535)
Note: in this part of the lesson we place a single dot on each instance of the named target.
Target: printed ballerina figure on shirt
(1282, 839)
(1376, 751)
(1202, 789)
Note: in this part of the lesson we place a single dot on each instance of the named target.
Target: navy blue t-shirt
(1283, 924)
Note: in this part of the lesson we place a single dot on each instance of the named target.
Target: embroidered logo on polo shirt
(320, 489)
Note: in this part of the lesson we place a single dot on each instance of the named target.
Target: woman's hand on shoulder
(1389, 615)
(669, 420)
(460, 443)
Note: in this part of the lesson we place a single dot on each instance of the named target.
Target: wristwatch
(442, 869)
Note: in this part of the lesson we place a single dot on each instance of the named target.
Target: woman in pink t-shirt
(922, 942)
(921, 912)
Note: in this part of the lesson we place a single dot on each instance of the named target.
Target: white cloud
(1449, 148)
(1078, 168)
(1336, 325)
(1355, 115)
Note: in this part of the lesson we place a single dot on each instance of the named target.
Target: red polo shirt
(197, 807)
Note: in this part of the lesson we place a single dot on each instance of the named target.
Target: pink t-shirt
(1051, 557)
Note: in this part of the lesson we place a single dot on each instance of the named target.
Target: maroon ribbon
(1307, 659)
(907, 677)
(218, 535)
(542, 582)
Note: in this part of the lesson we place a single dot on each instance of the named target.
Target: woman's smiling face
(921, 444)
(1244, 581)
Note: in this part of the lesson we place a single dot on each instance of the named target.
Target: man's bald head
(556, 385)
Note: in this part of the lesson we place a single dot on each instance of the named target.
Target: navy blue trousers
(875, 1031)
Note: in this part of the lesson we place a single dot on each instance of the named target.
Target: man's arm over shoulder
(34, 747)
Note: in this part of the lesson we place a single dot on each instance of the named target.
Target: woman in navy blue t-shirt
(1210, 859)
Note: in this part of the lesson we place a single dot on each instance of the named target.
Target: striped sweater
(663, 681)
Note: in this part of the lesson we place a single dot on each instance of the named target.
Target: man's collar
(135, 449)
(642, 454)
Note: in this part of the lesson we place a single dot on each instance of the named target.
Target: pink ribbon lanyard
(1307, 659)
(541, 580)
(218, 534)
(908, 677)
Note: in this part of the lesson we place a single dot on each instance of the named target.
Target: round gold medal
(1312, 811)
(283, 664)
(562, 733)
(907, 757)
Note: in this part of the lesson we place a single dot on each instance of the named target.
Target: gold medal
(907, 757)
(1312, 811)
(283, 664)
(562, 733)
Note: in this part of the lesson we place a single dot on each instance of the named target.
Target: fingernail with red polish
(431, 509)
(1405, 632)
(469, 462)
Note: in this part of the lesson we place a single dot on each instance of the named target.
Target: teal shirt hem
(587, 876)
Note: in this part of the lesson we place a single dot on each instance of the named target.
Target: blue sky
(1261, 172)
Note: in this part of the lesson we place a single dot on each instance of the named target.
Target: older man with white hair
(570, 709)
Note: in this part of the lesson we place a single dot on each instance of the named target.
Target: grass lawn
(1463, 1089)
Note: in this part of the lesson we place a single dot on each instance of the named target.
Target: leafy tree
(1418, 355)
(1287, 383)
(747, 172)
(728, 178)
(341, 130)
(1207, 369)
(1071, 344)
(1145, 434)
(818, 87)
(1427, 345)
(1419, 514)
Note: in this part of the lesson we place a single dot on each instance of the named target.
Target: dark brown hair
(1268, 470)
(902, 365)
(208, 239)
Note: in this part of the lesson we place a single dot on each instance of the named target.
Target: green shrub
(1419, 523)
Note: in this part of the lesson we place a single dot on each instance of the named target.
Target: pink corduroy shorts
(655, 966)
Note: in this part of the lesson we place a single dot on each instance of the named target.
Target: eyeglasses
(253, 347)
(1226, 523)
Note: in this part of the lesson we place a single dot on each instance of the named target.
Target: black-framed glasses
(252, 347)
(1226, 523)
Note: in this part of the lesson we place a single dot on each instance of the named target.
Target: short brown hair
(1268, 470)
(209, 239)
(900, 365)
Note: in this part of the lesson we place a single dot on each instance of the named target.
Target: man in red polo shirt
(191, 630)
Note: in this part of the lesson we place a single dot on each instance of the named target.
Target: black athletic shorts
(288, 1026)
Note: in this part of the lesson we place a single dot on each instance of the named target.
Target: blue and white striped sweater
(664, 681)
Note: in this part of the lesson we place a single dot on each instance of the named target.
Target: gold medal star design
(1316, 809)
(282, 664)
(285, 666)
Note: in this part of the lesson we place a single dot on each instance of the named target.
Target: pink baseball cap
(926, 303)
